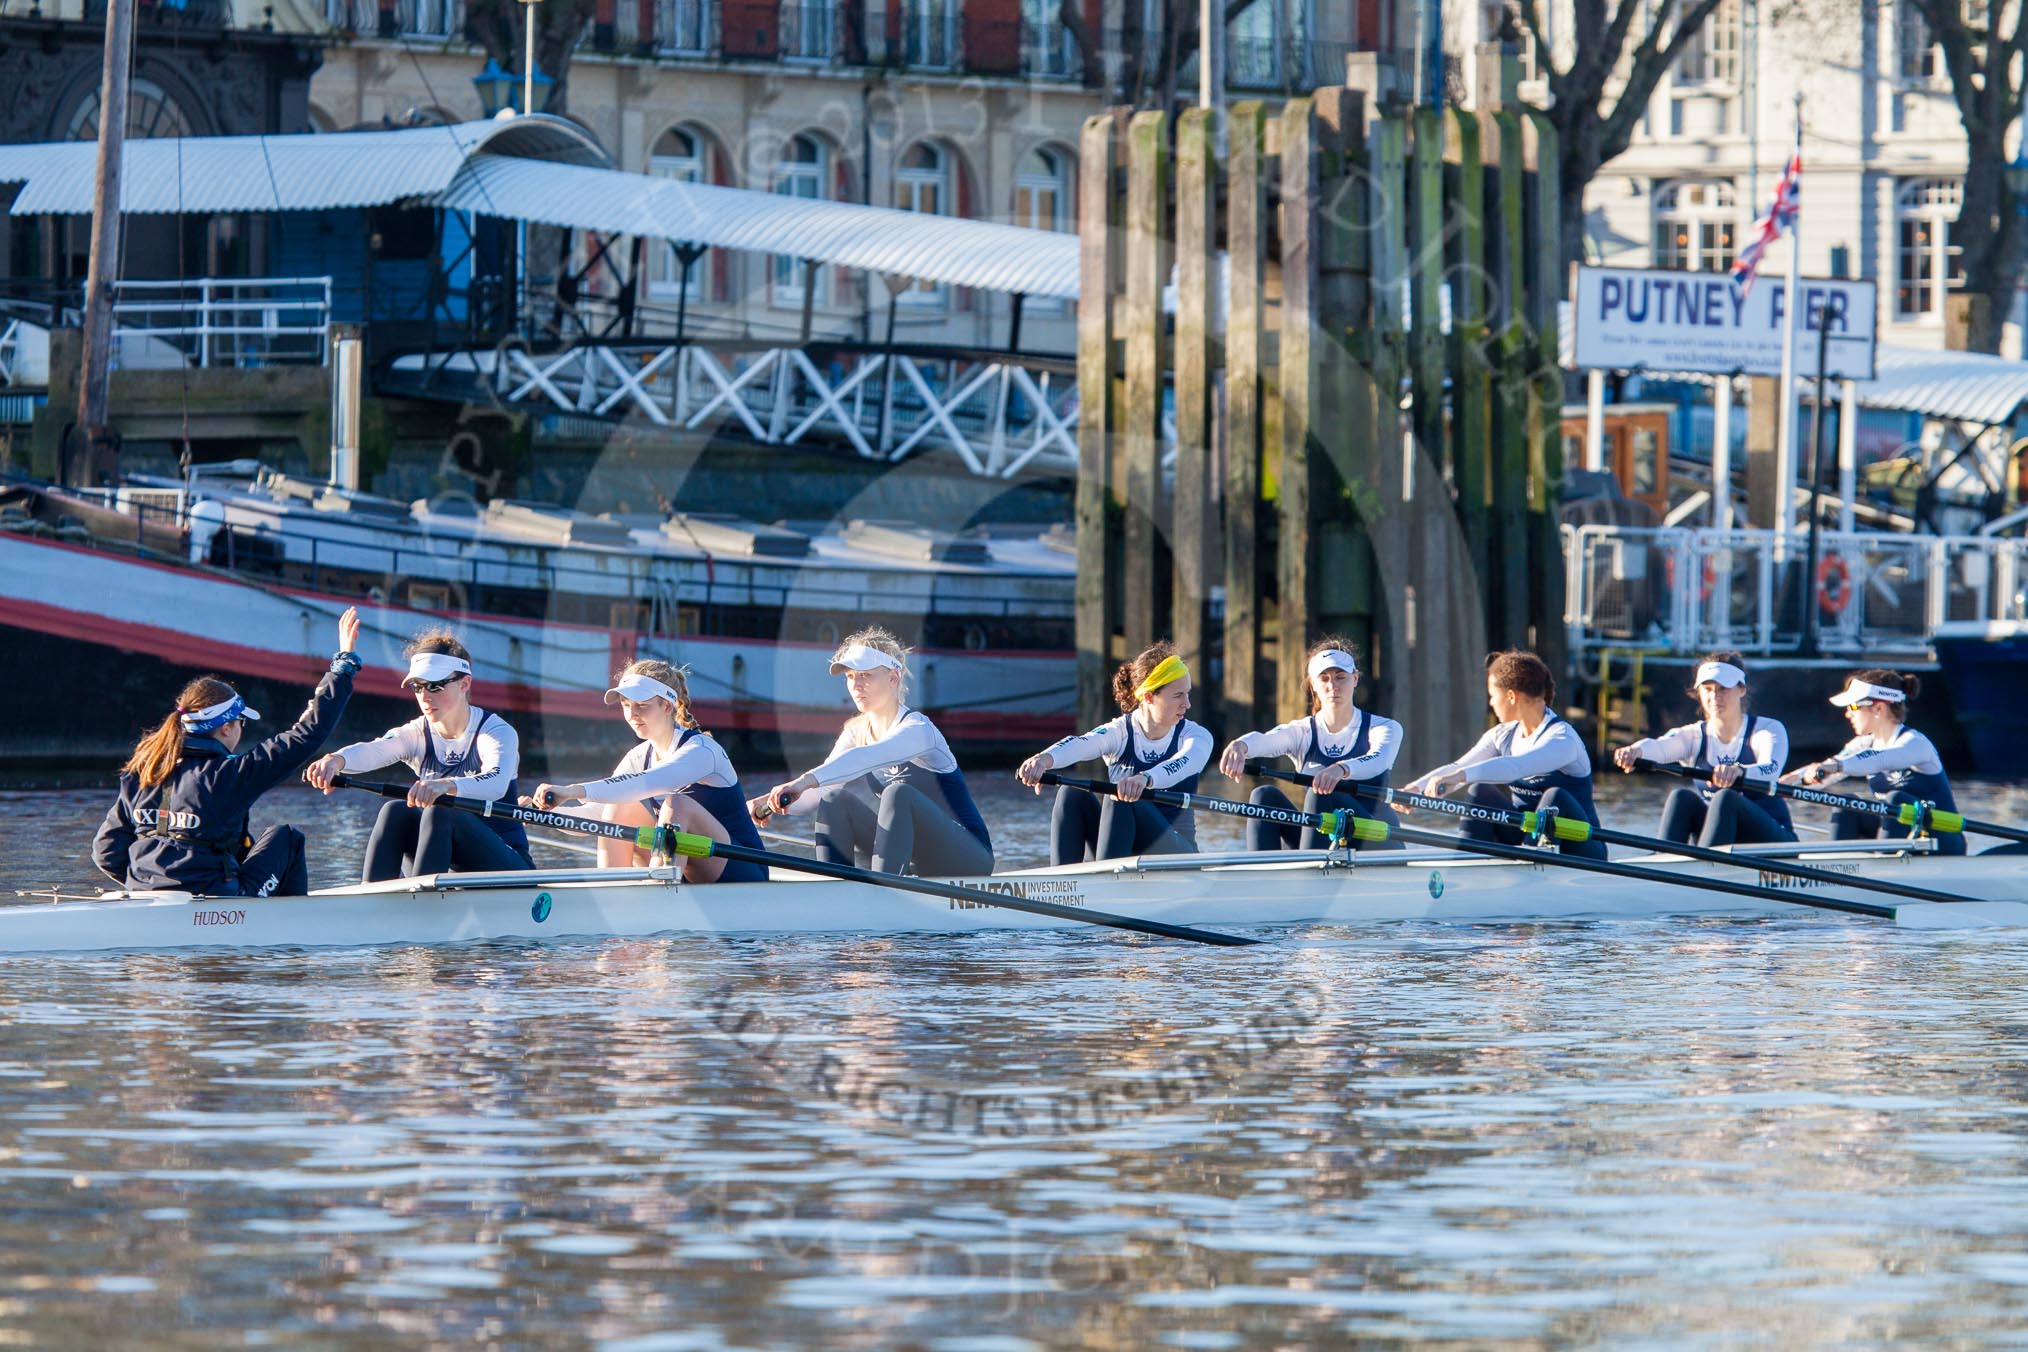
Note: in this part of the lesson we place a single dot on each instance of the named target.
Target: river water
(1798, 1132)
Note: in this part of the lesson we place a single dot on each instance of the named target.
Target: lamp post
(528, 55)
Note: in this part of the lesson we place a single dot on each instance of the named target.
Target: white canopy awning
(543, 169)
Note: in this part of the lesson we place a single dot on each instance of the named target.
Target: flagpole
(1785, 439)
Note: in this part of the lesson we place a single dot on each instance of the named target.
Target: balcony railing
(930, 37)
(809, 32)
(685, 27)
(416, 20)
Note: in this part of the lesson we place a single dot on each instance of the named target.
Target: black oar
(1574, 829)
(1917, 816)
(1365, 828)
(671, 841)
(1337, 826)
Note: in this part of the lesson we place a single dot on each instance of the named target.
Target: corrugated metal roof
(878, 239)
(281, 173)
(1973, 387)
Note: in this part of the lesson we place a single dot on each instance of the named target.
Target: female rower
(925, 821)
(1899, 763)
(1740, 750)
(1335, 743)
(455, 748)
(678, 776)
(181, 818)
(1151, 745)
(1537, 756)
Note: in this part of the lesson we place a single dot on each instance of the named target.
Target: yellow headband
(1169, 669)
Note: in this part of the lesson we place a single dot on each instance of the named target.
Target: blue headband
(217, 716)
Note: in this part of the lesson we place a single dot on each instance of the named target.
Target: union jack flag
(1780, 219)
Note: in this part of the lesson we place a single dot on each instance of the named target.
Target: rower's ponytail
(1127, 680)
(1327, 643)
(674, 677)
(156, 754)
(1522, 672)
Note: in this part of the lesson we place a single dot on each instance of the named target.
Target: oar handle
(1263, 769)
(384, 789)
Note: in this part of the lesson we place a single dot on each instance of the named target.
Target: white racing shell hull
(1225, 892)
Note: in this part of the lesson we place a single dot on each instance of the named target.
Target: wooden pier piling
(1369, 443)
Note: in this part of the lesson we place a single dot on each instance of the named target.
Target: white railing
(997, 416)
(1690, 591)
(222, 321)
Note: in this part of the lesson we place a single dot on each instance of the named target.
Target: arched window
(684, 156)
(1042, 191)
(1926, 263)
(922, 182)
(150, 112)
(1696, 226)
(803, 171)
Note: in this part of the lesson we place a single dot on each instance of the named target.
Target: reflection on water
(1791, 1132)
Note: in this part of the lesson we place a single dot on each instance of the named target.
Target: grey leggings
(909, 832)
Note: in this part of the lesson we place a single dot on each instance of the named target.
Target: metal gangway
(1877, 595)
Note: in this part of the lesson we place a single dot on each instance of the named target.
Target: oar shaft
(704, 846)
(642, 836)
(1938, 818)
(1567, 829)
(673, 841)
(1328, 823)
(1611, 868)
(1640, 874)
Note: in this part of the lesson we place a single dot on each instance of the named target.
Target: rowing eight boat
(1246, 890)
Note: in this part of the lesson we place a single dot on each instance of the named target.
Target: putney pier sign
(1640, 319)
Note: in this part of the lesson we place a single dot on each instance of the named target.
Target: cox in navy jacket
(189, 831)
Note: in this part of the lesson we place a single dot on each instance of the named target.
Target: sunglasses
(435, 686)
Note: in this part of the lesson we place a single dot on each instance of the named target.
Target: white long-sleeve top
(1907, 749)
(1770, 744)
(1553, 746)
(910, 740)
(645, 772)
(1112, 742)
(1292, 739)
(492, 740)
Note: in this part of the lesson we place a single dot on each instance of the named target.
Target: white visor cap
(435, 667)
(1720, 673)
(1856, 691)
(859, 657)
(640, 689)
(1333, 658)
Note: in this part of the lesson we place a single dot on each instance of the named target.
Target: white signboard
(1637, 319)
